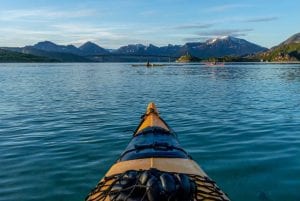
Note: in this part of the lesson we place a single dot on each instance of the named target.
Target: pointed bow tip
(151, 119)
(151, 108)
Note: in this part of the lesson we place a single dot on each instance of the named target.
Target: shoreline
(158, 63)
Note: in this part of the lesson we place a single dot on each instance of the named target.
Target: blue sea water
(63, 125)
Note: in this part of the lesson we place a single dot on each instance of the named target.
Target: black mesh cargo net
(155, 185)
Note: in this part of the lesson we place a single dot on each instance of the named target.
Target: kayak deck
(170, 172)
(185, 166)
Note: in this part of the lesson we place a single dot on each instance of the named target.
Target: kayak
(154, 167)
(212, 64)
(148, 65)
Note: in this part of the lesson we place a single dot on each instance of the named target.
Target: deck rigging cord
(156, 185)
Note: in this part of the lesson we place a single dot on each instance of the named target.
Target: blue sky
(113, 23)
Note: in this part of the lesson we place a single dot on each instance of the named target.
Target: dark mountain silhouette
(90, 48)
(224, 46)
(49, 46)
(218, 47)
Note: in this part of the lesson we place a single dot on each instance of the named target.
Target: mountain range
(216, 47)
(227, 46)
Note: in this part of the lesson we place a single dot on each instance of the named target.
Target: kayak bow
(154, 167)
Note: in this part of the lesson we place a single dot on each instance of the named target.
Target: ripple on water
(63, 125)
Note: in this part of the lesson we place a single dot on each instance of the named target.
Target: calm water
(63, 125)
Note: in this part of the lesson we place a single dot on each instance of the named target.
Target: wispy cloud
(81, 28)
(261, 19)
(226, 7)
(62, 33)
(86, 32)
(206, 35)
(225, 32)
(195, 26)
(38, 14)
(31, 33)
(196, 39)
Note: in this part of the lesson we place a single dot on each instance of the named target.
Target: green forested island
(187, 58)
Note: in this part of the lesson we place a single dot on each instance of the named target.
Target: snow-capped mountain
(223, 46)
